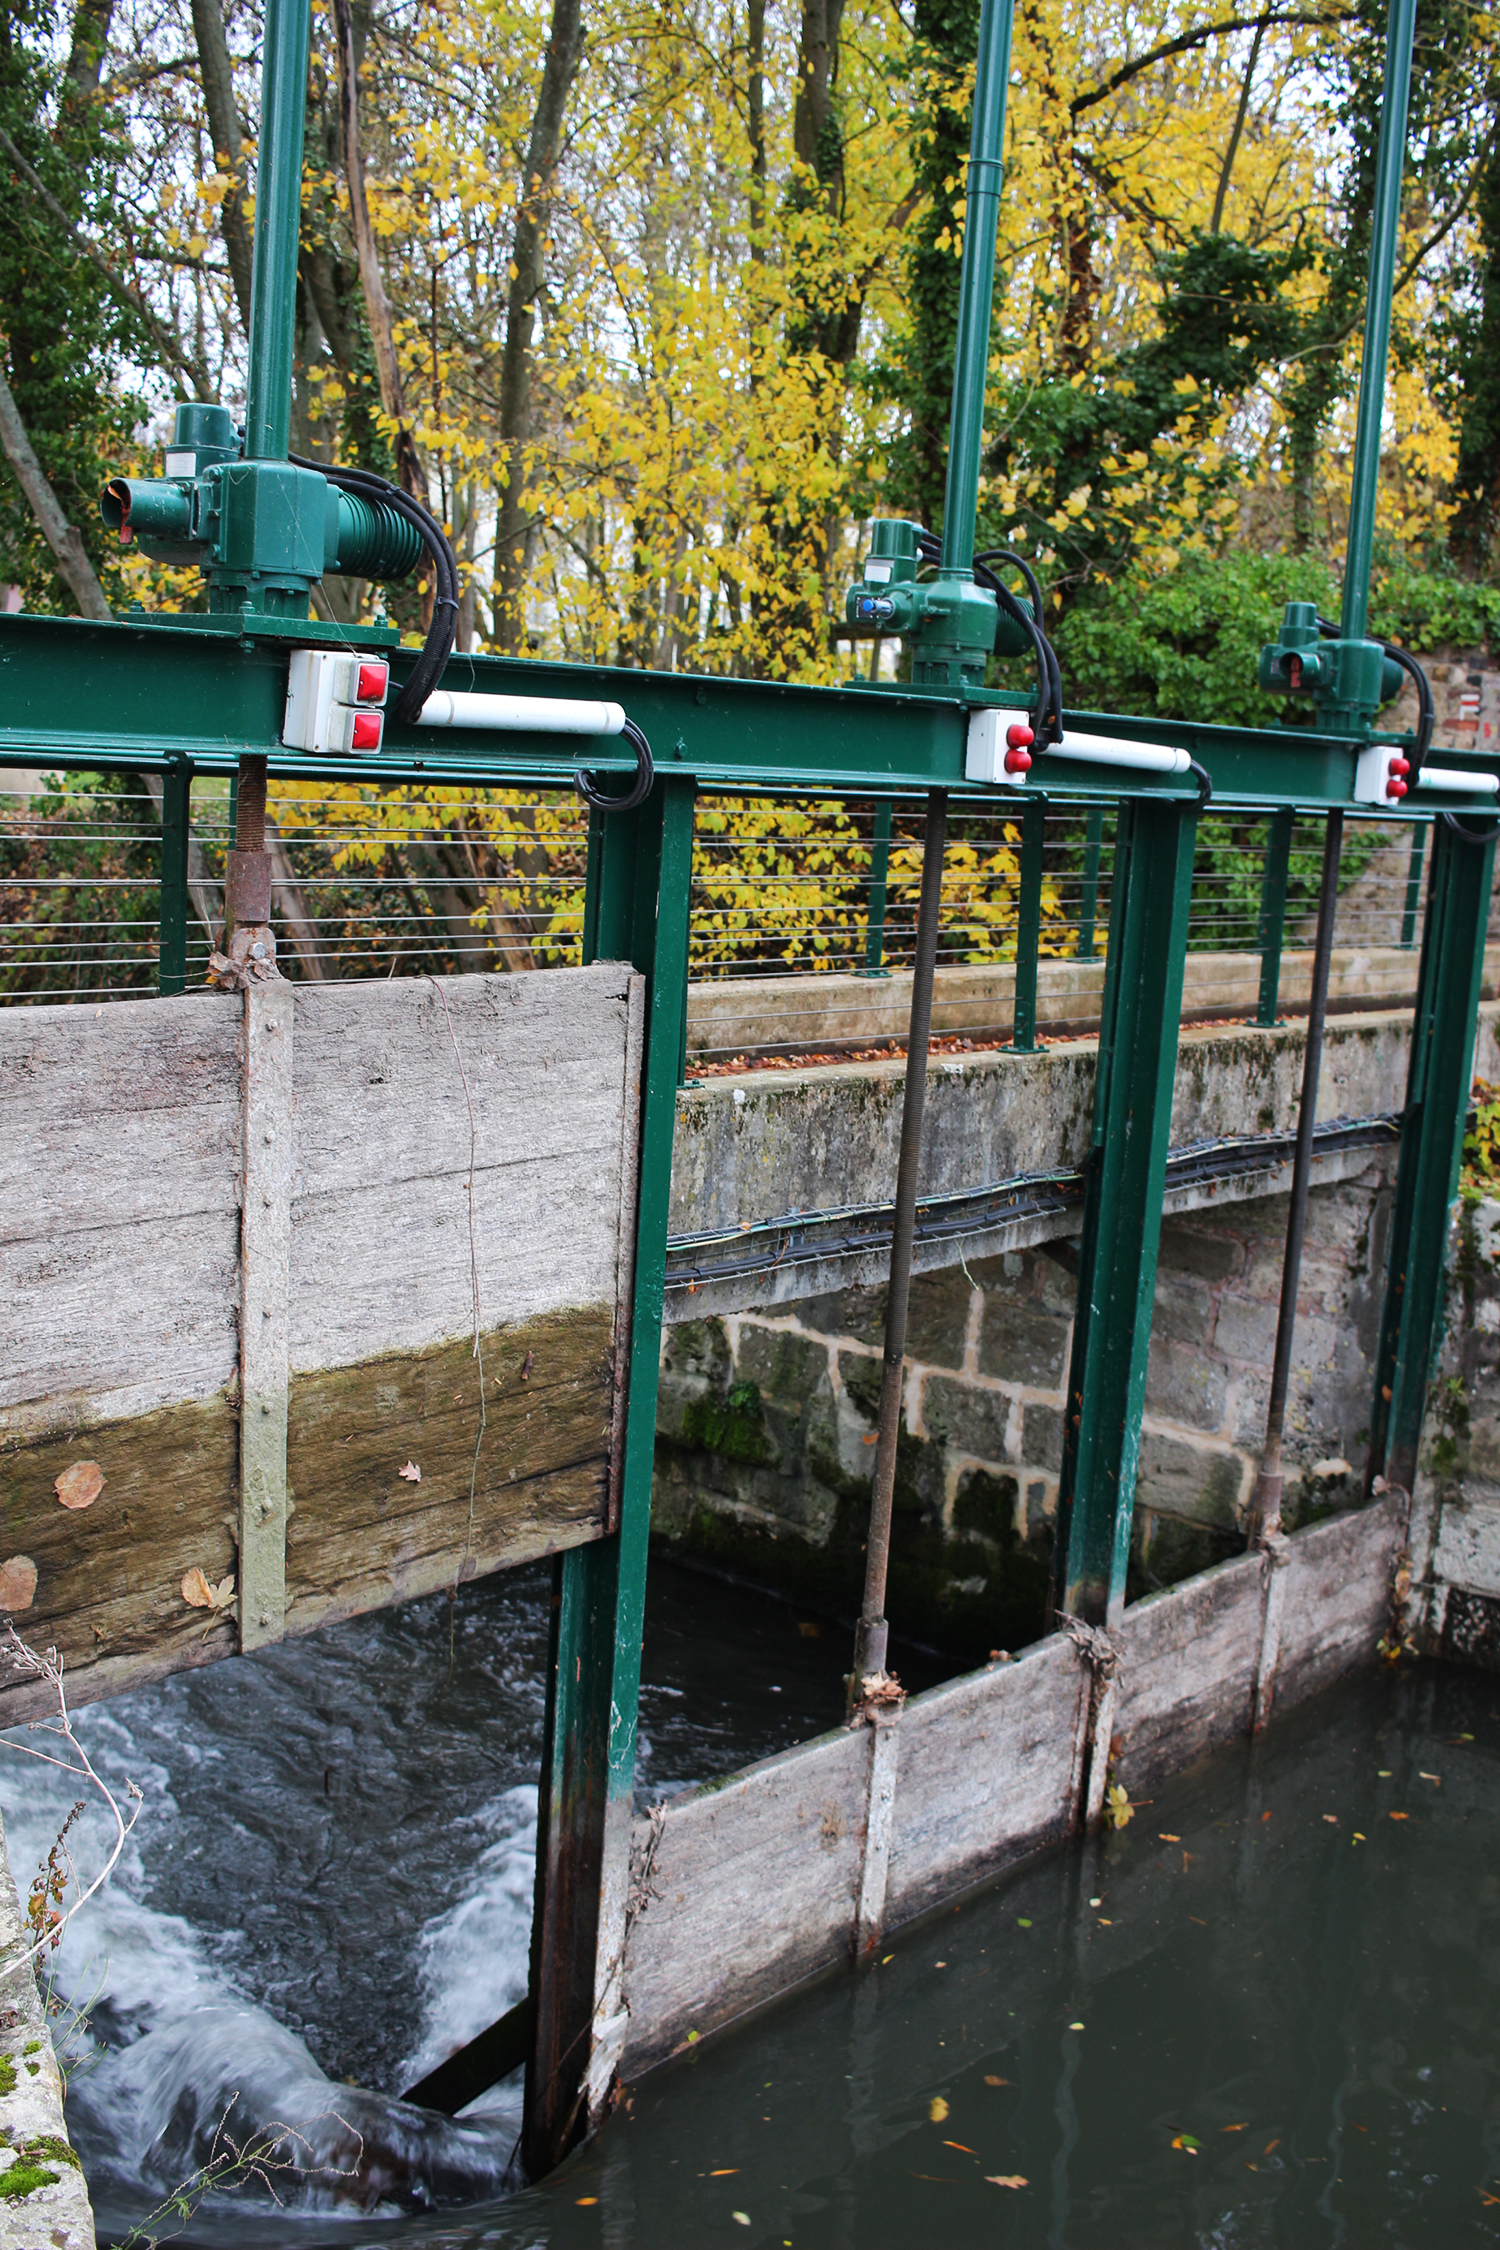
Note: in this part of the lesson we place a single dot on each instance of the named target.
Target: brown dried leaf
(17, 1583)
(80, 1484)
(1005, 2179)
(411, 1472)
(200, 1592)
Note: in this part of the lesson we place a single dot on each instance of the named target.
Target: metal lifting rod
(1265, 1518)
(965, 439)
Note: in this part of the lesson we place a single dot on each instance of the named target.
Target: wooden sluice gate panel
(740, 1890)
(128, 1272)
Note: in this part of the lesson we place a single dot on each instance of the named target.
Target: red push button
(366, 731)
(1020, 737)
(1018, 760)
(371, 685)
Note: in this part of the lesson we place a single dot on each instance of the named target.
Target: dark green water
(1279, 2025)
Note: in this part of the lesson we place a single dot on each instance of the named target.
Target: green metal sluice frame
(196, 696)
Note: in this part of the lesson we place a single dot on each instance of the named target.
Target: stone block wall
(766, 1420)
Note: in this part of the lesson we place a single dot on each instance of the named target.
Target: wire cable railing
(803, 918)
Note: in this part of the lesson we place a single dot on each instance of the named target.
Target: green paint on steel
(1088, 900)
(976, 286)
(1384, 234)
(880, 870)
(1122, 1208)
(1029, 925)
(1413, 888)
(1432, 1129)
(1271, 928)
(171, 970)
(588, 1769)
(278, 220)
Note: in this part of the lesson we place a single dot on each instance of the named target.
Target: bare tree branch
(1200, 37)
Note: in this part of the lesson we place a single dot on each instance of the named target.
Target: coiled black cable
(1050, 710)
(640, 788)
(442, 632)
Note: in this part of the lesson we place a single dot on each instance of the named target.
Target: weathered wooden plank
(751, 1885)
(1337, 1597)
(381, 1247)
(988, 1770)
(265, 1282)
(361, 1535)
(109, 1577)
(1187, 1669)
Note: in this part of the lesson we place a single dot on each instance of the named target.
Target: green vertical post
(1088, 900)
(278, 223)
(1439, 1077)
(588, 1759)
(1385, 223)
(1413, 886)
(880, 870)
(1029, 925)
(1271, 929)
(592, 868)
(971, 348)
(1142, 1006)
(176, 797)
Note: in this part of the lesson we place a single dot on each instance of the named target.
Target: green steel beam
(588, 1766)
(171, 968)
(1384, 234)
(137, 694)
(1141, 1007)
(278, 222)
(1271, 928)
(1432, 1129)
(1028, 925)
(1088, 902)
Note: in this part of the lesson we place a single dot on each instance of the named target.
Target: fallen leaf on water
(990, 2080)
(1332, 1819)
(962, 2147)
(1186, 2143)
(1075, 2027)
(727, 2172)
(1235, 2128)
(1358, 1838)
(1428, 1776)
(1401, 1816)
(1023, 1922)
(937, 2109)
(1265, 1816)
(1486, 2197)
(1117, 1806)
(1164, 1838)
(588, 2199)
(1005, 2179)
(411, 1472)
(808, 1628)
(1270, 2145)
(80, 1485)
(17, 1582)
(740, 2218)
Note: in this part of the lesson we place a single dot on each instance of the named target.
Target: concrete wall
(1455, 1532)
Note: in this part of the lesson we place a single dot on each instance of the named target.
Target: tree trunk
(224, 127)
(528, 278)
(755, 109)
(409, 471)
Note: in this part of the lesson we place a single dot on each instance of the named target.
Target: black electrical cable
(1052, 670)
(640, 788)
(1426, 710)
(1456, 827)
(1205, 785)
(443, 630)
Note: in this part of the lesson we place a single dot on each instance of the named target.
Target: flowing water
(1266, 2013)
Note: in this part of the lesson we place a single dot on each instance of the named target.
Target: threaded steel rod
(870, 1639)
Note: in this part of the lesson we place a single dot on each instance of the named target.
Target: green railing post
(1088, 899)
(880, 869)
(1439, 1077)
(588, 949)
(278, 223)
(1271, 928)
(176, 798)
(593, 1685)
(1142, 1005)
(1029, 925)
(1413, 886)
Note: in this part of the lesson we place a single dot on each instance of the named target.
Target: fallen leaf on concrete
(938, 2109)
(17, 1582)
(1005, 2179)
(80, 1485)
(411, 1472)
